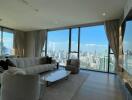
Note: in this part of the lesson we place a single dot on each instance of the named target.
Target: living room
(62, 49)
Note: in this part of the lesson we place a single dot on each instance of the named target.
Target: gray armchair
(20, 87)
(73, 65)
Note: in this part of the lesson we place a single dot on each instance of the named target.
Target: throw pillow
(49, 60)
(43, 60)
(10, 63)
(3, 64)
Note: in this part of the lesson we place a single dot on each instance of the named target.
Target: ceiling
(30, 15)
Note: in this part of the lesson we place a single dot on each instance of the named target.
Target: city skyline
(93, 47)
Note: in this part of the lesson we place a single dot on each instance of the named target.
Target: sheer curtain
(40, 38)
(19, 38)
(112, 32)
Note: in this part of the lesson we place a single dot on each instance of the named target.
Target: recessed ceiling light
(104, 14)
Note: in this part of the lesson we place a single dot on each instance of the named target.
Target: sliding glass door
(57, 45)
(94, 48)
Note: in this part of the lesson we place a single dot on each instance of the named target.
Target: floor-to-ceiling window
(94, 48)
(6, 42)
(8, 37)
(74, 44)
(57, 45)
(89, 44)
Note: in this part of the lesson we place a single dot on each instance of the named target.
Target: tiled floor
(99, 86)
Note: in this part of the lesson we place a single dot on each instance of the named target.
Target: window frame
(46, 42)
(78, 52)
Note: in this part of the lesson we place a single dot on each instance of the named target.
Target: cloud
(90, 44)
(57, 43)
(95, 45)
(7, 39)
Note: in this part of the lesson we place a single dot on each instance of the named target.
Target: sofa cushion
(33, 65)
(20, 63)
(39, 68)
(25, 62)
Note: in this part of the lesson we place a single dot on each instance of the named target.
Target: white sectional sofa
(33, 65)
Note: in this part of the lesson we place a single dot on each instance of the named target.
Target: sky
(127, 43)
(7, 41)
(91, 38)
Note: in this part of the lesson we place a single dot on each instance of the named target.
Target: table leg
(57, 65)
(66, 77)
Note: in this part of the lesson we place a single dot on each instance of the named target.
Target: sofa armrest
(42, 88)
(14, 87)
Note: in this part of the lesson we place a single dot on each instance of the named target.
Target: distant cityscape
(128, 61)
(88, 60)
(6, 51)
(93, 47)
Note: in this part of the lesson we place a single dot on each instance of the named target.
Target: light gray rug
(65, 89)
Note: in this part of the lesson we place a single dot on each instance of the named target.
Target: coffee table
(55, 76)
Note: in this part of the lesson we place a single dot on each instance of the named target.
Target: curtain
(19, 38)
(112, 32)
(40, 38)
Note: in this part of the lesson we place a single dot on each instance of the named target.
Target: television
(127, 43)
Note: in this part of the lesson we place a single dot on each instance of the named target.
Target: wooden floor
(100, 86)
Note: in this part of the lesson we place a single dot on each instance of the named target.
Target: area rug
(65, 89)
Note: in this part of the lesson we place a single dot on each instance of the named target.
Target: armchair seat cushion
(39, 68)
(74, 62)
(70, 67)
